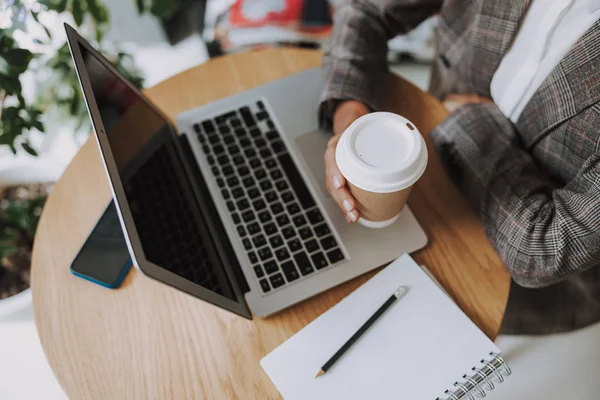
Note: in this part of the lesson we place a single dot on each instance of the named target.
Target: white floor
(551, 368)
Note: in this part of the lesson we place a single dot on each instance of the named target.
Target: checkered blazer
(536, 183)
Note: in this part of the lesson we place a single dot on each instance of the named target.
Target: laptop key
(255, 132)
(243, 171)
(237, 192)
(319, 260)
(197, 128)
(264, 216)
(253, 228)
(213, 139)
(312, 246)
(223, 160)
(228, 170)
(282, 220)
(289, 270)
(243, 204)
(248, 181)
(224, 117)
(276, 241)
(247, 244)
(277, 280)
(230, 206)
(322, 230)
(328, 243)
(253, 258)
(255, 163)
(264, 285)
(237, 160)
(248, 216)
(218, 149)
(294, 245)
(260, 105)
(250, 152)
(259, 240)
(264, 153)
(288, 232)
(206, 149)
(287, 197)
(262, 115)
(270, 163)
(270, 228)
(270, 267)
(225, 194)
(304, 264)
(211, 160)
(224, 129)
(220, 182)
(305, 233)
(229, 139)
(276, 174)
(281, 185)
(299, 221)
(241, 132)
(259, 204)
(247, 116)
(208, 126)
(293, 208)
(236, 122)
(253, 193)
(260, 142)
(270, 124)
(335, 256)
(241, 231)
(282, 254)
(271, 196)
(245, 142)
(233, 181)
(272, 135)
(265, 253)
(278, 146)
(236, 218)
(276, 208)
(260, 174)
(265, 185)
(258, 271)
(314, 216)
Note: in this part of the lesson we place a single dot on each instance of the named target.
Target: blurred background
(44, 121)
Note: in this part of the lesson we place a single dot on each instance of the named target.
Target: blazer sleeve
(543, 231)
(355, 65)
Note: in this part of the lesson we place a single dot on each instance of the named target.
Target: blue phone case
(115, 285)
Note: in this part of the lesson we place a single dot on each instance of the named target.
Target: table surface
(147, 340)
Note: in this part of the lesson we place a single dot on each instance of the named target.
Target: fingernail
(347, 205)
(337, 182)
(353, 215)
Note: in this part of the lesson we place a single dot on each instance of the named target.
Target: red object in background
(240, 14)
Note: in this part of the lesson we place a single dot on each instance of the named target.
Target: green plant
(58, 90)
(163, 9)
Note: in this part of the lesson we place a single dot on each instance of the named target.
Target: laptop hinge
(229, 254)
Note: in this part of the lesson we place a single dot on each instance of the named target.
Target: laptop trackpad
(312, 148)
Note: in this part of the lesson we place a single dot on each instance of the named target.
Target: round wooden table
(147, 340)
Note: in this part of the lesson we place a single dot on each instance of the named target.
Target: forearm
(355, 66)
(542, 232)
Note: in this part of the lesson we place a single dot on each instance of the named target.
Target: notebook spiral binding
(480, 381)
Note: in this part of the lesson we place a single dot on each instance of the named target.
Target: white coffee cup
(381, 155)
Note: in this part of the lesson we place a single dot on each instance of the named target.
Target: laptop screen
(172, 233)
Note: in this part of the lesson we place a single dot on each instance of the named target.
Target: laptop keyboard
(277, 220)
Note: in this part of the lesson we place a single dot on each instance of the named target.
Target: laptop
(228, 203)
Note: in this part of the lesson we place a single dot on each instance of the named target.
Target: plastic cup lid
(381, 152)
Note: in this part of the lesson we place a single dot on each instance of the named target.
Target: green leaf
(12, 148)
(10, 114)
(27, 147)
(61, 6)
(4, 67)
(164, 9)
(140, 6)
(17, 59)
(11, 85)
(78, 11)
(74, 103)
(98, 11)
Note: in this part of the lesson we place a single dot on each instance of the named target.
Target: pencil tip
(321, 372)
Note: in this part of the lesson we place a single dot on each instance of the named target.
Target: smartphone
(104, 258)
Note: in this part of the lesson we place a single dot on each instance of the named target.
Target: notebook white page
(416, 350)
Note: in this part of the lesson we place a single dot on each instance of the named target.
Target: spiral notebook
(423, 348)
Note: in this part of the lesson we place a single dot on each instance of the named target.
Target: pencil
(397, 294)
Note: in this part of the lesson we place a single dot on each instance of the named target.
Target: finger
(346, 203)
(332, 172)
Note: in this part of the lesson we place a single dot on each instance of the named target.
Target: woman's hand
(345, 114)
(455, 101)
